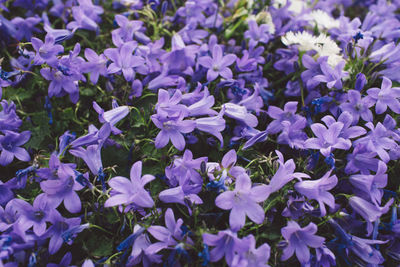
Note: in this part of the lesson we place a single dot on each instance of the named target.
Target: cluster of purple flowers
(208, 98)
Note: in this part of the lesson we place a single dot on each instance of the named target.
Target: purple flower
(327, 138)
(10, 146)
(357, 106)
(385, 97)
(362, 159)
(378, 140)
(332, 77)
(46, 52)
(139, 253)
(91, 156)
(112, 116)
(129, 29)
(371, 186)
(257, 33)
(299, 239)
(123, 60)
(9, 119)
(63, 189)
(56, 230)
(243, 202)
(212, 125)
(96, 65)
(257, 257)
(61, 84)
(168, 106)
(25, 27)
(240, 113)
(217, 64)
(86, 16)
(225, 243)
(172, 130)
(350, 246)
(125, 192)
(284, 174)
(347, 131)
(318, 190)
(35, 215)
(287, 114)
(370, 212)
(169, 236)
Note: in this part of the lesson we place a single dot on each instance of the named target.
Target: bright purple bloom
(217, 64)
(112, 116)
(371, 186)
(385, 97)
(240, 113)
(347, 131)
(130, 29)
(86, 16)
(332, 77)
(96, 65)
(257, 33)
(61, 84)
(125, 192)
(257, 257)
(56, 230)
(63, 189)
(35, 215)
(123, 60)
(318, 190)
(299, 239)
(370, 212)
(225, 243)
(92, 157)
(46, 52)
(9, 119)
(170, 236)
(139, 253)
(243, 202)
(378, 140)
(172, 130)
(25, 27)
(287, 114)
(357, 106)
(10, 146)
(284, 174)
(327, 138)
(212, 125)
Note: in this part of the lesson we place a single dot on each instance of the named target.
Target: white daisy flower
(322, 20)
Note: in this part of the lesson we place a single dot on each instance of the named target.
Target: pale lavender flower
(318, 190)
(240, 113)
(327, 138)
(357, 106)
(370, 212)
(243, 202)
(125, 192)
(371, 186)
(10, 146)
(217, 64)
(385, 97)
(299, 240)
(257, 33)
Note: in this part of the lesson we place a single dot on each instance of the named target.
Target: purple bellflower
(170, 236)
(299, 239)
(217, 64)
(10, 146)
(318, 190)
(225, 243)
(46, 52)
(243, 202)
(332, 77)
(371, 186)
(123, 60)
(385, 97)
(327, 138)
(131, 191)
(96, 65)
(357, 106)
(257, 34)
(370, 212)
(112, 116)
(172, 130)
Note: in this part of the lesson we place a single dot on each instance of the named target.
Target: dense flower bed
(199, 133)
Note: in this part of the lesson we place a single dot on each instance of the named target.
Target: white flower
(322, 44)
(322, 20)
(295, 6)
